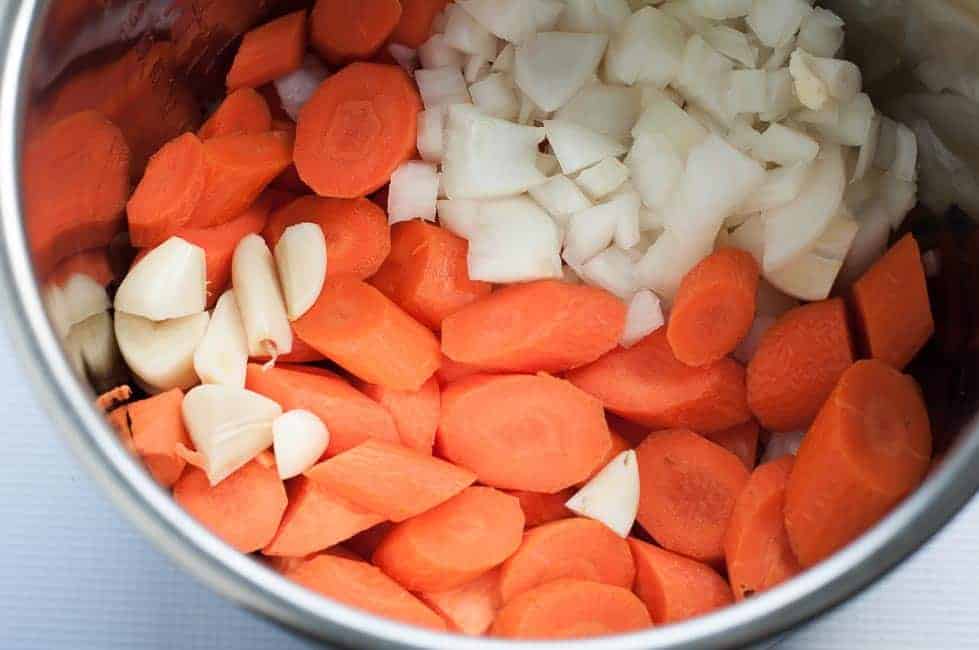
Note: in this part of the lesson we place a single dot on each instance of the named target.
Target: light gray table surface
(74, 574)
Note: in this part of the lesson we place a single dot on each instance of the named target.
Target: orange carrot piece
(94, 262)
(570, 609)
(358, 127)
(470, 608)
(869, 446)
(119, 420)
(365, 543)
(349, 415)
(451, 371)
(242, 111)
(363, 586)
(244, 509)
(891, 305)
(415, 413)
(756, 545)
(316, 519)
(579, 548)
(349, 30)
(740, 440)
(688, 486)
(547, 325)
(799, 360)
(714, 307)
(542, 507)
(675, 588)
(113, 397)
(75, 184)
(358, 327)
(619, 444)
(629, 431)
(158, 427)
(522, 432)
(268, 52)
(454, 542)
(427, 274)
(650, 386)
(415, 26)
(394, 481)
(238, 168)
(357, 235)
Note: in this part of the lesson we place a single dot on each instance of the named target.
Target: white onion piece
(611, 110)
(442, 87)
(229, 426)
(842, 78)
(598, 181)
(809, 87)
(406, 57)
(721, 9)
(612, 14)
(854, 125)
(561, 197)
(299, 438)
(868, 245)
(301, 258)
(552, 66)
(651, 219)
(781, 186)
(683, 12)
(476, 68)
(742, 135)
(591, 230)
(749, 91)
(548, 164)
(750, 237)
(466, 35)
(749, 344)
(666, 118)
(170, 282)
(732, 44)
(486, 157)
(295, 88)
(780, 99)
(512, 20)
(612, 270)
(80, 298)
(651, 94)
(505, 59)
(577, 147)
(459, 216)
(828, 115)
(413, 192)
(776, 21)
(627, 229)
(669, 259)
(812, 275)
(514, 241)
(594, 16)
(612, 495)
(905, 162)
(898, 198)
(868, 151)
(821, 33)
(655, 168)
(494, 95)
(643, 317)
(431, 134)
(785, 146)
(91, 344)
(782, 444)
(221, 356)
(648, 49)
(704, 77)
(437, 53)
(547, 13)
(263, 310)
(779, 58)
(161, 353)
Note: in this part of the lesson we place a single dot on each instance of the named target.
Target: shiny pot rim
(252, 585)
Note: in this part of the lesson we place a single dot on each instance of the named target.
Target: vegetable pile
(529, 318)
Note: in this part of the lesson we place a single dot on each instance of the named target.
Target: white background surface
(74, 574)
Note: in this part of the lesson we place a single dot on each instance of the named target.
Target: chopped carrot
(688, 486)
(244, 509)
(451, 371)
(568, 609)
(522, 432)
(454, 542)
(415, 413)
(356, 231)
(112, 398)
(158, 428)
(282, 564)
(238, 168)
(168, 193)
(358, 127)
(242, 111)
(629, 431)
(756, 545)
(289, 180)
(366, 542)
(798, 361)
(316, 519)
(363, 586)
(542, 507)
(394, 481)
(350, 30)
(270, 51)
(869, 446)
(205, 29)
(427, 274)
(579, 548)
(469, 608)
(75, 184)
(619, 444)
(358, 327)
(96, 263)
(119, 420)
(650, 386)
(740, 440)
(415, 25)
(714, 307)
(349, 415)
(547, 325)
(675, 588)
(891, 304)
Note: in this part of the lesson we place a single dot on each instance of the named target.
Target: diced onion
(643, 317)
(604, 178)
(648, 49)
(552, 66)
(442, 87)
(413, 192)
(577, 147)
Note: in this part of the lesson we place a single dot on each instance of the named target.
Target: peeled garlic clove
(94, 342)
(260, 301)
(79, 298)
(299, 438)
(161, 353)
(170, 282)
(229, 426)
(222, 355)
(612, 495)
(300, 257)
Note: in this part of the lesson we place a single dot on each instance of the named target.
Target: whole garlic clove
(301, 258)
(299, 438)
(263, 310)
(170, 282)
(161, 353)
(222, 355)
(93, 343)
(79, 298)
(229, 426)
(612, 495)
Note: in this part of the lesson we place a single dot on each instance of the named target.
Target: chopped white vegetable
(650, 94)
(611, 110)
(809, 87)
(547, 13)
(779, 58)
(160, 353)
(431, 130)
(476, 68)
(413, 192)
(643, 317)
(299, 438)
(721, 9)
(295, 88)
(577, 147)
(259, 295)
(612, 14)
(666, 118)
(886, 151)
(592, 230)
(898, 198)
(495, 96)
(655, 168)
(812, 275)
(612, 495)
(651, 219)
(781, 98)
(749, 91)
(487, 157)
(514, 241)
(905, 161)
(222, 355)
(91, 345)
(750, 237)
(683, 11)
(512, 20)
(561, 197)
(459, 216)
(669, 259)
(828, 115)
(649, 49)
(785, 146)
(868, 245)
(854, 125)
(868, 151)
(442, 86)
(547, 164)
(611, 270)
(406, 57)
(842, 78)
(466, 35)
(821, 33)
(505, 60)
(732, 44)
(627, 229)
(776, 21)
(705, 78)
(170, 282)
(743, 135)
(300, 258)
(552, 66)
(80, 298)
(782, 185)
(594, 16)
(602, 179)
(437, 53)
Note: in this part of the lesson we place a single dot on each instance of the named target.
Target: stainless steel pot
(255, 587)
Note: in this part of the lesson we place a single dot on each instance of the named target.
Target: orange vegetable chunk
(268, 52)
(157, 428)
(347, 30)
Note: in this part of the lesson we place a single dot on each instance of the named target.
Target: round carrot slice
(346, 30)
(242, 111)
